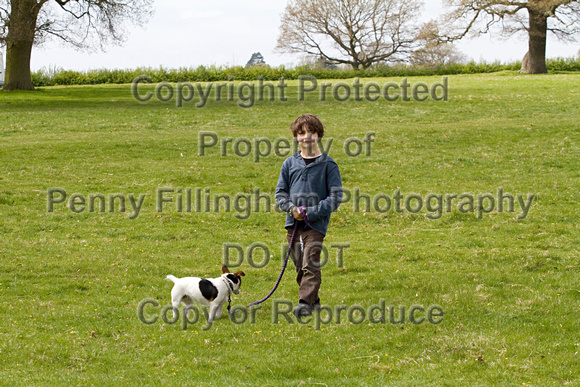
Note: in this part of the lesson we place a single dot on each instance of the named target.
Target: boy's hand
(296, 213)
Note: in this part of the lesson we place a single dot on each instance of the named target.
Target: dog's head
(234, 279)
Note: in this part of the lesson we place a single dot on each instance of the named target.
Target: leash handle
(302, 211)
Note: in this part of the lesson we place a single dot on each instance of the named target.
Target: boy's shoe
(302, 309)
(316, 305)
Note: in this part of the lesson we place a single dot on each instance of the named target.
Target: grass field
(71, 283)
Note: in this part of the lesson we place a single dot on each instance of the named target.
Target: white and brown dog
(213, 292)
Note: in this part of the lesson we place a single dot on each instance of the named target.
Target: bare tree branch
(359, 33)
(87, 24)
(476, 17)
(536, 18)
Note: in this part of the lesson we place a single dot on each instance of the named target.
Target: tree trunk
(534, 61)
(18, 75)
(19, 41)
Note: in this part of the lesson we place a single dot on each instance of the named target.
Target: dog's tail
(171, 278)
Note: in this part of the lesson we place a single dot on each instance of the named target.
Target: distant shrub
(563, 64)
(58, 76)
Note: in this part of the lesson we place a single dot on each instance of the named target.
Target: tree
(433, 52)
(81, 23)
(358, 33)
(534, 17)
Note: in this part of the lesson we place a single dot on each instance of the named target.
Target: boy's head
(307, 122)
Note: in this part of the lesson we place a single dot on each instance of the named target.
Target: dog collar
(230, 291)
(227, 282)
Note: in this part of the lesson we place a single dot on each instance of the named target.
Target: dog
(212, 292)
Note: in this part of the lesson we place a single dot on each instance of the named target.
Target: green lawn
(71, 283)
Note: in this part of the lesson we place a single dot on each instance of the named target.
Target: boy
(309, 187)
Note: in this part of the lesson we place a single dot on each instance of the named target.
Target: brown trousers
(306, 258)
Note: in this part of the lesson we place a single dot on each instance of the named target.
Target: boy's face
(308, 141)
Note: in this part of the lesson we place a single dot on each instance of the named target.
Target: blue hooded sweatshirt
(316, 186)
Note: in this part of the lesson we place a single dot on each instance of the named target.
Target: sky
(190, 33)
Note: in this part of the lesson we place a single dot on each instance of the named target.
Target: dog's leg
(213, 309)
(188, 305)
(219, 311)
(175, 301)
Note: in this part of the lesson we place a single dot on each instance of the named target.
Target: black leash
(303, 212)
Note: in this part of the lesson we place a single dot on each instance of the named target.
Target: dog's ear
(240, 273)
(225, 269)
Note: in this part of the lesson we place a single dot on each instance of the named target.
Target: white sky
(189, 33)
